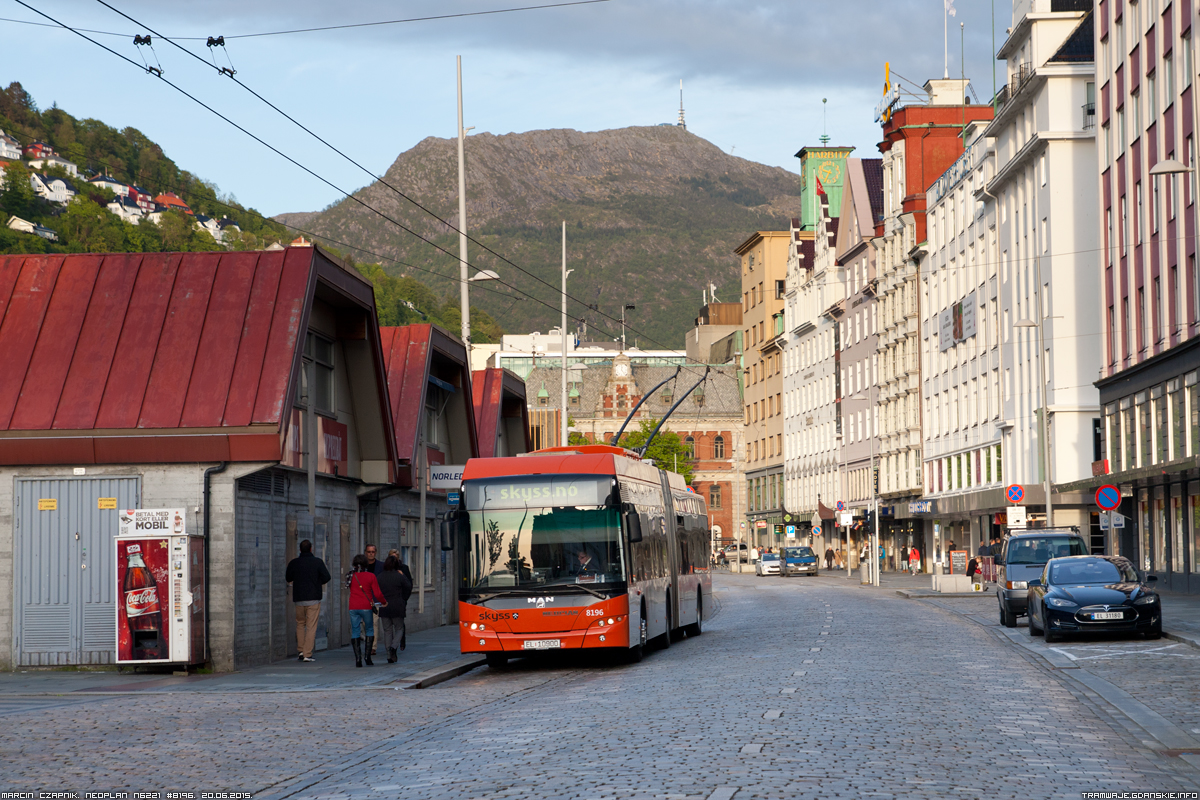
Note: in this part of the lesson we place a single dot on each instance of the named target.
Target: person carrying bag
(365, 596)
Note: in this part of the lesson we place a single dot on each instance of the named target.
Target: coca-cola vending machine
(160, 575)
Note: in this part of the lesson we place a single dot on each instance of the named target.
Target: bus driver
(585, 563)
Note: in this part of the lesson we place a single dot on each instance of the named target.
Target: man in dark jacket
(307, 574)
(396, 588)
(829, 557)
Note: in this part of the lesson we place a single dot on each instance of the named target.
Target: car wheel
(1034, 630)
(1051, 636)
(1006, 617)
(665, 639)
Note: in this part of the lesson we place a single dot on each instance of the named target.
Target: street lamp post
(1045, 392)
(624, 308)
(463, 295)
(565, 272)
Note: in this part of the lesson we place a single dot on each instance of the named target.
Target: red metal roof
(150, 341)
(488, 389)
(407, 356)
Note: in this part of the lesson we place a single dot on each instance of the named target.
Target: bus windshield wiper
(543, 590)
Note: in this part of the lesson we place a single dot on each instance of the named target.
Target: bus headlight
(610, 620)
(481, 641)
(474, 626)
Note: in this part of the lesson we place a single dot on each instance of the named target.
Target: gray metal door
(65, 592)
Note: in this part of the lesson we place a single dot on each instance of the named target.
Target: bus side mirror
(453, 525)
(633, 522)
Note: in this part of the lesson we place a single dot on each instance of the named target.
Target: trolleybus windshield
(544, 532)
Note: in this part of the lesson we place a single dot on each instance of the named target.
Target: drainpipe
(208, 473)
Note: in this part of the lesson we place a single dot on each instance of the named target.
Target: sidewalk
(430, 654)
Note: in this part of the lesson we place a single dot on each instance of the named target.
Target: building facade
(1150, 290)
(764, 257)
(919, 143)
(862, 206)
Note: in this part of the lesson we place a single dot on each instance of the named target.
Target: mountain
(653, 215)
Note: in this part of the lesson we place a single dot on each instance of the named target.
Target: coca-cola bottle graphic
(140, 591)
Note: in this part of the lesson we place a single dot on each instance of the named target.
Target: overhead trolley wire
(382, 180)
(327, 27)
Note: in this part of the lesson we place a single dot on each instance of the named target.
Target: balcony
(1089, 116)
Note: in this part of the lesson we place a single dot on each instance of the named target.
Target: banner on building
(957, 323)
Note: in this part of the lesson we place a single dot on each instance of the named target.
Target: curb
(439, 674)
(1186, 638)
(922, 594)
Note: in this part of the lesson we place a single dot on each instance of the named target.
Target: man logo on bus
(540, 602)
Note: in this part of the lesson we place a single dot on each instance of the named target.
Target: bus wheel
(497, 660)
(697, 627)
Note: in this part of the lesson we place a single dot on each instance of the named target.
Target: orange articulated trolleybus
(577, 547)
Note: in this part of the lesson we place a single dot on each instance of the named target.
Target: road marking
(751, 749)
(1113, 652)
(808, 661)
(801, 672)
(814, 649)
(773, 714)
(788, 691)
(723, 793)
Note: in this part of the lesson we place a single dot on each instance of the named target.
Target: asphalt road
(798, 688)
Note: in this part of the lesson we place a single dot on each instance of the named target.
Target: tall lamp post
(1045, 392)
(626, 307)
(563, 433)
(464, 302)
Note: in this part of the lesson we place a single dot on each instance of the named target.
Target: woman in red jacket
(364, 596)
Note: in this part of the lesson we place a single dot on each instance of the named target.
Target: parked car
(731, 552)
(800, 561)
(1085, 594)
(1023, 558)
(767, 564)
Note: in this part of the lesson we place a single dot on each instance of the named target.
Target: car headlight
(1017, 584)
(1146, 600)
(1059, 602)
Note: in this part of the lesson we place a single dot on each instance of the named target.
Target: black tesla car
(1084, 594)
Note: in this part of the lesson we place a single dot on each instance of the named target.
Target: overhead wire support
(140, 41)
(219, 41)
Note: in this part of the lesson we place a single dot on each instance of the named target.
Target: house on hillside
(142, 197)
(10, 148)
(168, 200)
(252, 391)
(112, 184)
(227, 226)
(37, 150)
(209, 226)
(55, 190)
(53, 160)
(25, 226)
(126, 209)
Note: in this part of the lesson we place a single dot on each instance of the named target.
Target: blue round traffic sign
(841, 506)
(1015, 493)
(1108, 497)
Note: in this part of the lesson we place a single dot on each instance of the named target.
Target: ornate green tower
(828, 166)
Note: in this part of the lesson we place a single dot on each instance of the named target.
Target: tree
(17, 195)
(666, 448)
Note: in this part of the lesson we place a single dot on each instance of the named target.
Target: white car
(767, 564)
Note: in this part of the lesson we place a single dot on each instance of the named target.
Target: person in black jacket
(307, 574)
(396, 588)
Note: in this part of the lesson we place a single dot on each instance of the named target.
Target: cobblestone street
(798, 688)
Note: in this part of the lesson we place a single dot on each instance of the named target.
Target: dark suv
(1022, 560)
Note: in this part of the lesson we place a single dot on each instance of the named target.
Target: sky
(761, 79)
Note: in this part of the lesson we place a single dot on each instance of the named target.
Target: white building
(960, 350)
(1044, 184)
(52, 160)
(55, 190)
(10, 148)
(813, 300)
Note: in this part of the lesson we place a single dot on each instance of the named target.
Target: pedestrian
(902, 554)
(307, 574)
(396, 589)
(984, 549)
(364, 598)
(973, 569)
(829, 557)
(375, 567)
(914, 560)
(402, 567)
(754, 554)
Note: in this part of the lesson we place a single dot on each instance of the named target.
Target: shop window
(1128, 434)
(1161, 428)
(1145, 434)
(1193, 391)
